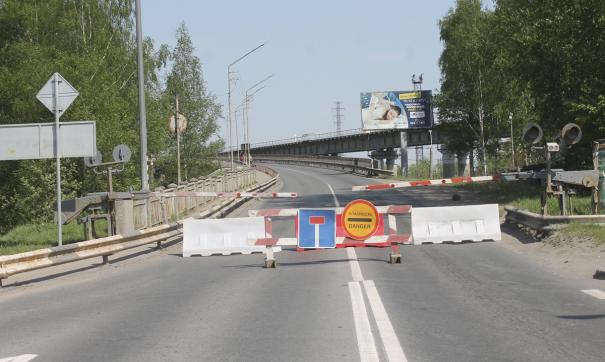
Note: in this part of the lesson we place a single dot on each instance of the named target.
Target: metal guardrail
(546, 222)
(104, 247)
(326, 162)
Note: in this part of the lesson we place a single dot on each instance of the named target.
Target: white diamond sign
(67, 94)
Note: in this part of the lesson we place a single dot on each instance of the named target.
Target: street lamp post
(142, 116)
(246, 119)
(431, 154)
(229, 97)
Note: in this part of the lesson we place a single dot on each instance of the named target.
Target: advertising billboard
(396, 110)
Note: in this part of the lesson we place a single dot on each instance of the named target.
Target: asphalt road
(469, 302)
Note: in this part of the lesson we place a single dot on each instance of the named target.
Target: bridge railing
(356, 165)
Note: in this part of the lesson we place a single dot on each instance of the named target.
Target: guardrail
(356, 165)
(546, 222)
(104, 247)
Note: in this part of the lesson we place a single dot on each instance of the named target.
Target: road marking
(336, 203)
(21, 358)
(390, 341)
(355, 268)
(599, 294)
(363, 331)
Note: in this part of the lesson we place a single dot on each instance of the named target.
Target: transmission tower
(338, 115)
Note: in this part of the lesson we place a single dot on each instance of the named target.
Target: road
(469, 302)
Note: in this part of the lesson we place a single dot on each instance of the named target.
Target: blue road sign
(316, 228)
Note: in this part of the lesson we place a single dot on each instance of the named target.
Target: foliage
(92, 44)
(542, 61)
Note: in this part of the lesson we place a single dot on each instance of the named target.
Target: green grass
(525, 196)
(38, 236)
(591, 231)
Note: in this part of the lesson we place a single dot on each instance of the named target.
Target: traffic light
(571, 134)
(532, 133)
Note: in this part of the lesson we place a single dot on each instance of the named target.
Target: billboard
(396, 110)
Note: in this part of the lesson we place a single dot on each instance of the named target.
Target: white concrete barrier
(222, 236)
(455, 223)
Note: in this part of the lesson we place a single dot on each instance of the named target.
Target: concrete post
(403, 135)
(448, 164)
(391, 156)
(463, 164)
(124, 220)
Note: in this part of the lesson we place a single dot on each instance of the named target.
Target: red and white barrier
(380, 239)
(444, 181)
(226, 194)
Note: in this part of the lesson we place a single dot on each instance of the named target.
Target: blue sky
(320, 52)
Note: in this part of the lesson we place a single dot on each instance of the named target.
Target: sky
(319, 52)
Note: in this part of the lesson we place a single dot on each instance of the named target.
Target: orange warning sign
(360, 219)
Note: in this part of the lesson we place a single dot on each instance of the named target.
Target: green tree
(201, 109)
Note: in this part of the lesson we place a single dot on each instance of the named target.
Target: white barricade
(223, 236)
(455, 223)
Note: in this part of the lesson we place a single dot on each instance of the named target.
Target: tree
(201, 109)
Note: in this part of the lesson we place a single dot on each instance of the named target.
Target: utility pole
(339, 116)
(512, 142)
(177, 127)
(142, 116)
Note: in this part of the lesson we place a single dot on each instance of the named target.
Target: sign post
(57, 95)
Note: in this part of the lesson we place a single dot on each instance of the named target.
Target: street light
(431, 154)
(246, 119)
(141, 81)
(229, 96)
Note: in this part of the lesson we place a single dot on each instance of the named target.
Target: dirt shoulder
(561, 252)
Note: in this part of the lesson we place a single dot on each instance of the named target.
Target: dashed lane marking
(597, 293)
(21, 358)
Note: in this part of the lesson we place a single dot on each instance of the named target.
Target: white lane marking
(599, 294)
(363, 331)
(21, 358)
(390, 341)
(355, 268)
(336, 203)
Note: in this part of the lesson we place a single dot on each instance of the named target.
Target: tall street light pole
(512, 142)
(142, 116)
(246, 119)
(229, 96)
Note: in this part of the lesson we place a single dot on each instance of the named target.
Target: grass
(586, 231)
(525, 196)
(38, 236)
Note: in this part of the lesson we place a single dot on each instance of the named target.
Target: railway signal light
(532, 133)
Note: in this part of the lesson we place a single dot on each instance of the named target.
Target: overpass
(382, 144)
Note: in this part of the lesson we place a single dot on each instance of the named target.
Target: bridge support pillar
(403, 150)
(391, 156)
(377, 157)
(449, 164)
(463, 165)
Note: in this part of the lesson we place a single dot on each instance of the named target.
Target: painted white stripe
(355, 269)
(390, 341)
(597, 293)
(336, 203)
(363, 331)
(21, 358)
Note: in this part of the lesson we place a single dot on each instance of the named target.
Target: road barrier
(443, 181)
(334, 233)
(455, 224)
(539, 222)
(222, 236)
(105, 247)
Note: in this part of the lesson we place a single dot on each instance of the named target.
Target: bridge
(382, 145)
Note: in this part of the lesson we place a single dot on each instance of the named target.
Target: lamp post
(246, 119)
(431, 154)
(142, 116)
(229, 96)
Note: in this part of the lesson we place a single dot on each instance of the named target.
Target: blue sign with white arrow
(316, 228)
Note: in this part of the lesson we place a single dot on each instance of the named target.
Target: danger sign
(360, 219)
